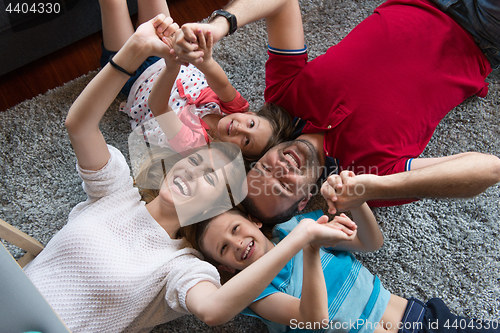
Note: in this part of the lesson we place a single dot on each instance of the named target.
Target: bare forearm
(82, 121)
(219, 306)
(160, 93)
(217, 80)
(247, 11)
(368, 232)
(465, 175)
(314, 298)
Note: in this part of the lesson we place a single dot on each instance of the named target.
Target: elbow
(210, 316)
(70, 123)
(495, 162)
(375, 244)
(378, 244)
(317, 321)
(74, 125)
(213, 320)
(489, 168)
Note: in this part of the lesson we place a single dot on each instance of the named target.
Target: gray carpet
(433, 248)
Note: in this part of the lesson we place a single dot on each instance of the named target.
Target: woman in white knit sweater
(118, 265)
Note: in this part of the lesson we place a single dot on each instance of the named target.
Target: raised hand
(151, 35)
(187, 45)
(346, 191)
(205, 43)
(329, 234)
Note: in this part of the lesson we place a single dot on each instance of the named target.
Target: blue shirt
(356, 298)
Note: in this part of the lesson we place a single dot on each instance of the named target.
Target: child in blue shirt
(322, 289)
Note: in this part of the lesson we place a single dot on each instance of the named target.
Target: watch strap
(229, 17)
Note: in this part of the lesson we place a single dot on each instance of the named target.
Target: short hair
(268, 222)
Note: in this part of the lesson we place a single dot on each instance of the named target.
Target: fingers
(345, 221)
(182, 42)
(345, 175)
(171, 29)
(210, 40)
(202, 43)
(323, 220)
(189, 32)
(329, 191)
(162, 23)
(332, 209)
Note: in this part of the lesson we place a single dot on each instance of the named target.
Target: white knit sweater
(112, 268)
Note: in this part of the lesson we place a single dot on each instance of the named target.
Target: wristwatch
(229, 17)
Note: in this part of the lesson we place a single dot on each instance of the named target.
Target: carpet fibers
(433, 248)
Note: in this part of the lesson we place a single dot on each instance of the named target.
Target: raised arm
(283, 20)
(458, 176)
(215, 75)
(82, 121)
(159, 98)
(312, 307)
(216, 306)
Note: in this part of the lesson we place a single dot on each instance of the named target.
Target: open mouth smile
(292, 159)
(229, 127)
(247, 250)
(181, 186)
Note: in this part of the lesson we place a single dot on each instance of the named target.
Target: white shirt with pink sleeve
(185, 101)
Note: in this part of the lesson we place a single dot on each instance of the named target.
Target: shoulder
(110, 178)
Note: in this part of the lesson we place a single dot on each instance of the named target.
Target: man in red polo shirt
(372, 101)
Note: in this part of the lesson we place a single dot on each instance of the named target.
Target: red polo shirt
(380, 93)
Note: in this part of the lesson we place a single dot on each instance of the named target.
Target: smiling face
(283, 177)
(249, 131)
(196, 184)
(234, 241)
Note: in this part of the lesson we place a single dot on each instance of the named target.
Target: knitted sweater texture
(113, 268)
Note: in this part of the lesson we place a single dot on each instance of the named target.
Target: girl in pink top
(206, 106)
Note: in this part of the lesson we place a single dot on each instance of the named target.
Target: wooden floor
(81, 57)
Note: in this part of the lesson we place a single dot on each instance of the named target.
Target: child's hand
(170, 57)
(329, 234)
(205, 44)
(186, 43)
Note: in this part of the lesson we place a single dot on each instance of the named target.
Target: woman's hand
(150, 36)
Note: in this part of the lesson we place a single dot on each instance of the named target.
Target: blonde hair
(158, 162)
(152, 170)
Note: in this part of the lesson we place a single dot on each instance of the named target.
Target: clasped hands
(346, 191)
(162, 37)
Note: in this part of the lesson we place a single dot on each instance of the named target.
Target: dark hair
(268, 222)
(281, 125)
